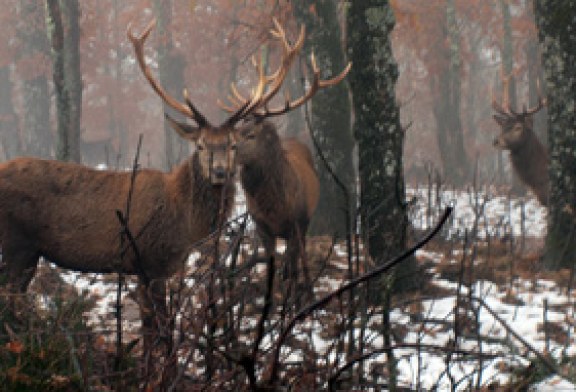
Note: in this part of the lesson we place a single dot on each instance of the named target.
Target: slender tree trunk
(556, 21)
(536, 83)
(37, 137)
(330, 117)
(72, 73)
(62, 94)
(518, 188)
(117, 124)
(171, 67)
(446, 87)
(9, 135)
(378, 130)
(64, 17)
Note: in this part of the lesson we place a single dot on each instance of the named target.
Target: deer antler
(188, 109)
(504, 108)
(540, 104)
(269, 86)
(505, 111)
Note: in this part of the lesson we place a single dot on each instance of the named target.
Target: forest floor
(488, 317)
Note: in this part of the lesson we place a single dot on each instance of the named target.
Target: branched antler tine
(337, 79)
(290, 51)
(316, 84)
(506, 94)
(503, 108)
(197, 116)
(541, 100)
(225, 106)
(138, 43)
(498, 108)
(236, 98)
(277, 79)
(248, 106)
(269, 85)
(255, 101)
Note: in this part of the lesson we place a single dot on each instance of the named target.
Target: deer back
(68, 214)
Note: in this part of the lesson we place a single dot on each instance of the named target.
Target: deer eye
(233, 147)
(250, 136)
(200, 147)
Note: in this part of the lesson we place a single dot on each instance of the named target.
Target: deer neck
(531, 163)
(204, 202)
(265, 176)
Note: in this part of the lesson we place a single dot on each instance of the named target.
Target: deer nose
(219, 173)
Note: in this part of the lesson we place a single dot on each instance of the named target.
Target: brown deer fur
(66, 213)
(528, 156)
(281, 187)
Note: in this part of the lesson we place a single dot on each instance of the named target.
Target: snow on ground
(491, 216)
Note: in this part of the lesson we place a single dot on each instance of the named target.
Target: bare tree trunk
(330, 118)
(62, 95)
(37, 137)
(446, 87)
(556, 24)
(378, 131)
(518, 188)
(66, 75)
(171, 67)
(9, 135)
(535, 78)
(72, 74)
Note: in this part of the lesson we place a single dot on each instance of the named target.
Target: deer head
(256, 108)
(214, 145)
(517, 127)
(528, 156)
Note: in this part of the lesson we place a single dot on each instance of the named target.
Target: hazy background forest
(205, 46)
(404, 142)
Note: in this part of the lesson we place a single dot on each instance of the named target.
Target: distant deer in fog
(528, 156)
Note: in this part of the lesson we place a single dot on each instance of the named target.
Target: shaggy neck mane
(207, 200)
(528, 165)
(270, 170)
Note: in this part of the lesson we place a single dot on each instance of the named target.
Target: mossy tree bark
(556, 22)
(377, 129)
(329, 117)
(64, 32)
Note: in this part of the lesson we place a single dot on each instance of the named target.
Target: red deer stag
(278, 176)
(66, 212)
(528, 156)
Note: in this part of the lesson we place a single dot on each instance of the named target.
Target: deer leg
(269, 243)
(153, 313)
(292, 253)
(20, 259)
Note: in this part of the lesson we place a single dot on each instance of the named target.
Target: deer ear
(529, 122)
(499, 119)
(248, 130)
(185, 130)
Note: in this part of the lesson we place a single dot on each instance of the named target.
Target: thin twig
(549, 364)
(125, 233)
(307, 311)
